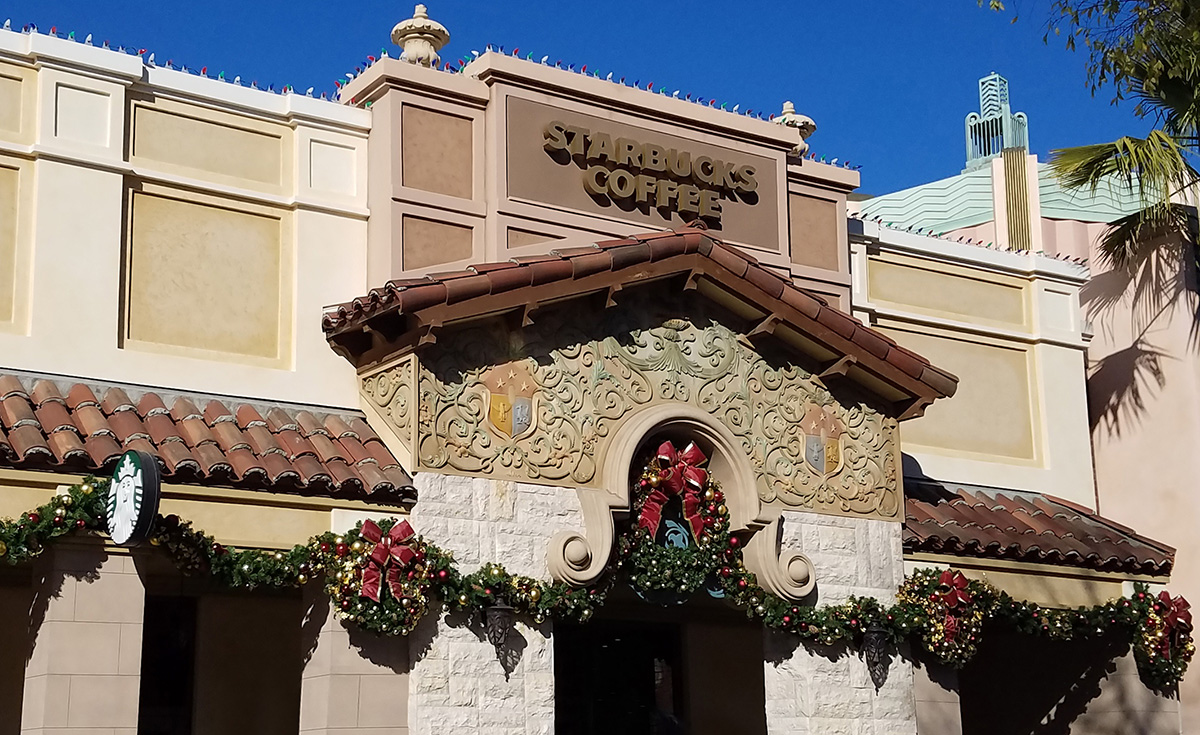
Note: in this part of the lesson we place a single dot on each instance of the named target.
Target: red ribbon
(389, 547)
(952, 587)
(1176, 613)
(680, 475)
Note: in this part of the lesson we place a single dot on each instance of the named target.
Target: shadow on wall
(1025, 685)
(1127, 305)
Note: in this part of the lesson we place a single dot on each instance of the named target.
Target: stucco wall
(94, 125)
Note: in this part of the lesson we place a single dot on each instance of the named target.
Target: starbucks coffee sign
(652, 174)
(133, 498)
(648, 173)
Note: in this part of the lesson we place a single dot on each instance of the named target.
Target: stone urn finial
(803, 123)
(420, 38)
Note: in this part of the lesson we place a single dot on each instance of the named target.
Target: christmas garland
(383, 578)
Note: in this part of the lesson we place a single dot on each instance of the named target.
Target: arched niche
(580, 558)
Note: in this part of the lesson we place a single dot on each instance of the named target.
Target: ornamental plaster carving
(568, 400)
(577, 376)
(392, 393)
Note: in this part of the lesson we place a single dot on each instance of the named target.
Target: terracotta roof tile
(843, 333)
(229, 443)
(972, 521)
(30, 443)
(151, 405)
(11, 386)
(116, 400)
(45, 390)
(79, 395)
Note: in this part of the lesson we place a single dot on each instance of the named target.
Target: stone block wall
(829, 691)
(458, 682)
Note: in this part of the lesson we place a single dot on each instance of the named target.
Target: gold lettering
(594, 180)
(556, 136)
(664, 192)
(745, 175)
(653, 158)
(629, 153)
(578, 139)
(710, 205)
(689, 199)
(600, 148)
(723, 176)
(621, 184)
(679, 163)
(645, 187)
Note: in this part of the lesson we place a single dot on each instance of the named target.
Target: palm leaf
(1155, 167)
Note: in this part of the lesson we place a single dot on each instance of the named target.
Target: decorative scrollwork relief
(392, 392)
(577, 375)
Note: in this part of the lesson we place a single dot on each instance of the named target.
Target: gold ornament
(302, 579)
(60, 512)
(3, 548)
(357, 546)
(722, 509)
(535, 594)
(654, 481)
(67, 501)
(709, 494)
(154, 541)
(463, 600)
(86, 488)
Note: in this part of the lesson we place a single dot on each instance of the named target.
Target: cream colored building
(427, 304)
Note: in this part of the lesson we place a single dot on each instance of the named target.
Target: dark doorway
(690, 670)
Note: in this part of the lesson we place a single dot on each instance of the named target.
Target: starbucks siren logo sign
(133, 498)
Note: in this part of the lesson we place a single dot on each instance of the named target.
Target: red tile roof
(50, 425)
(689, 248)
(990, 523)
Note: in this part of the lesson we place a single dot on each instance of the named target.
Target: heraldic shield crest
(509, 396)
(823, 432)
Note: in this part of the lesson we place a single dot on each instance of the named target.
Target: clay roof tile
(116, 400)
(45, 390)
(80, 395)
(11, 386)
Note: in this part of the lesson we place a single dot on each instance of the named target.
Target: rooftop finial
(420, 38)
(995, 127)
(803, 123)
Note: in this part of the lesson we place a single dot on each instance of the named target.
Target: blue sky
(887, 81)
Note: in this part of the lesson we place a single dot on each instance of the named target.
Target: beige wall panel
(10, 103)
(248, 665)
(945, 294)
(205, 145)
(522, 238)
(236, 524)
(436, 152)
(206, 278)
(82, 115)
(427, 242)
(813, 230)
(992, 411)
(533, 175)
(9, 201)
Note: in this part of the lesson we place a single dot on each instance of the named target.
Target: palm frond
(1128, 241)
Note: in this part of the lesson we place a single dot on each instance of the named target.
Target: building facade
(511, 399)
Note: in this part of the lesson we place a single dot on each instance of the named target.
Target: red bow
(387, 547)
(680, 475)
(1176, 613)
(952, 588)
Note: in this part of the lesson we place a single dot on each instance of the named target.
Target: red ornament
(734, 542)
(726, 572)
(324, 547)
(741, 584)
(345, 604)
(787, 619)
(719, 496)
(81, 523)
(34, 517)
(58, 521)
(441, 574)
(342, 550)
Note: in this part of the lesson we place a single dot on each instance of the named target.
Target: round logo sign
(133, 498)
